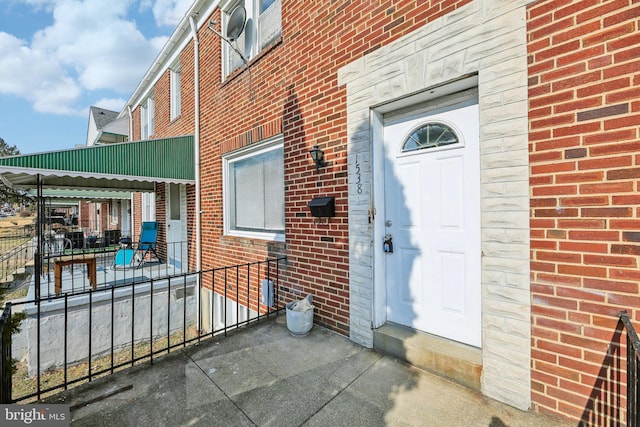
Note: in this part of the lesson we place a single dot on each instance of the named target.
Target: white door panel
(175, 241)
(432, 210)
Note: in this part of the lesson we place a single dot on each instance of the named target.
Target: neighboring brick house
(494, 142)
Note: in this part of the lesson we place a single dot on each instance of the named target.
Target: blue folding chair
(129, 257)
(124, 258)
(147, 240)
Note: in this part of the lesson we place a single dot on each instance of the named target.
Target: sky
(59, 57)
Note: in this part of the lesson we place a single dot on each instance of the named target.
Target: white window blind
(255, 191)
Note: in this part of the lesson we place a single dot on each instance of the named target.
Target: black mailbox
(323, 206)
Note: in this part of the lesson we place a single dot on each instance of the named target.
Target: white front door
(126, 218)
(432, 212)
(175, 244)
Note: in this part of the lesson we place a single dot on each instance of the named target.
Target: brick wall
(584, 86)
(294, 91)
(84, 214)
(136, 216)
(191, 227)
(183, 124)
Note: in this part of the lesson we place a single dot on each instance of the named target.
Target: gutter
(201, 8)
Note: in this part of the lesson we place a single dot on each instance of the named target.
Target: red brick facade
(293, 92)
(584, 86)
(95, 218)
(136, 217)
(584, 116)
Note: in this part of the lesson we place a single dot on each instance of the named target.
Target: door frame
(402, 108)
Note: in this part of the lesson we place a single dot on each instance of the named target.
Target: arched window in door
(430, 135)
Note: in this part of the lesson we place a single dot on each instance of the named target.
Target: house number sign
(358, 177)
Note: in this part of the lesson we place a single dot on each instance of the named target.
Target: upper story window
(253, 185)
(147, 118)
(175, 100)
(148, 206)
(263, 25)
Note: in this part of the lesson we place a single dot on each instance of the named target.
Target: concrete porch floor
(261, 375)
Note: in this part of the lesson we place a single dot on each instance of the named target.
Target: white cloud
(36, 76)
(93, 37)
(91, 45)
(170, 12)
(113, 104)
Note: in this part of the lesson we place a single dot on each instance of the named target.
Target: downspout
(196, 137)
(196, 80)
(130, 123)
(132, 198)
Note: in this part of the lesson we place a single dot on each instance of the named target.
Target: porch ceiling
(130, 166)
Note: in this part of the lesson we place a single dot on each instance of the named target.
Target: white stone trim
(487, 38)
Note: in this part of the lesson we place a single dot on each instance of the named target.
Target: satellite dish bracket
(235, 26)
(237, 22)
(235, 49)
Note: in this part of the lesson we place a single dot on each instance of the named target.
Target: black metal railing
(633, 370)
(15, 260)
(9, 241)
(6, 363)
(76, 337)
(55, 243)
(112, 266)
(17, 249)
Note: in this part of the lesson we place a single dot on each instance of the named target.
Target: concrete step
(449, 359)
(20, 274)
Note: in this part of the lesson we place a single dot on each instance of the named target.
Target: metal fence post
(6, 370)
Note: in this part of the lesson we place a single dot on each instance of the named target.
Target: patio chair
(129, 257)
(147, 240)
(125, 257)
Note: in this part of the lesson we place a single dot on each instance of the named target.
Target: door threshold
(455, 361)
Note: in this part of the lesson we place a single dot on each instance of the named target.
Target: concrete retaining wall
(107, 318)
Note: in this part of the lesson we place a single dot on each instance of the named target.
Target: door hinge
(372, 214)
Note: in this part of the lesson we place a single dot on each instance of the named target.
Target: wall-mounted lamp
(317, 155)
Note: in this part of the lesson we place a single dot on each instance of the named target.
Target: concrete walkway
(263, 376)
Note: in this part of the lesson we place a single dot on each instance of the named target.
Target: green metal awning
(74, 196)
(130, 166)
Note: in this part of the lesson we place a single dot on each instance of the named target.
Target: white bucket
(299, 323)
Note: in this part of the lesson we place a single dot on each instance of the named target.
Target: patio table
(88, 259)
